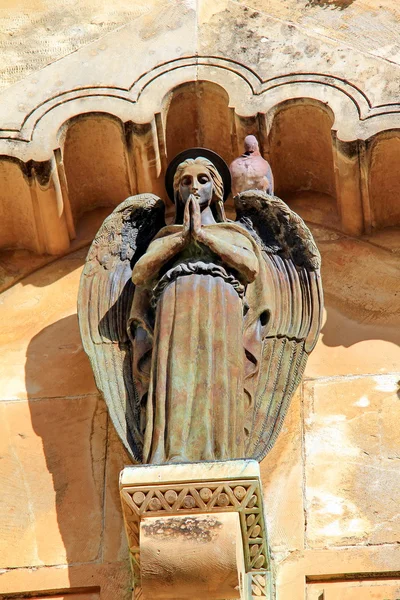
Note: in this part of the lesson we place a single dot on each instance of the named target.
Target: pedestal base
(196, 531)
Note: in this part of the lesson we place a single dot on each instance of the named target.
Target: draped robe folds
(195, 378)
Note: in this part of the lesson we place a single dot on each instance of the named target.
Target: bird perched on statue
(251, 171)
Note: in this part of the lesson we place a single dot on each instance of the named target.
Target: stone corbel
(196, 530)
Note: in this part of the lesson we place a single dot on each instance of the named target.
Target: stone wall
(330, 483)
(316, 82)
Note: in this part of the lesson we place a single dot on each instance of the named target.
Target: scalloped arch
(355, 118)
(140, 111)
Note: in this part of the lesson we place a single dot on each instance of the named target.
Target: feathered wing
(104, 302)
(295, 303)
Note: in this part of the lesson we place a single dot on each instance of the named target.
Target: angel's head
(199, 177)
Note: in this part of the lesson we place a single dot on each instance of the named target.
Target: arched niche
(95, 165)
(198, 114)
(301, 156)
(17, 212)
(384, 179)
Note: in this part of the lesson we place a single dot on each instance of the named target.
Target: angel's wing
(295, 311)
(104, 302)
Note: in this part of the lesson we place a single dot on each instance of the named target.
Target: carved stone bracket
(157, 501)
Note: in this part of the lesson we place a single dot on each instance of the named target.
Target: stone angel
(198, 332)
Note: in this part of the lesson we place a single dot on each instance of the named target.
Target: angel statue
(198, 332)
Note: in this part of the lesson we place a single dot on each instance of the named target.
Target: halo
(213, 157)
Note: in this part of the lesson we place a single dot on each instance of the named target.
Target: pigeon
(250, 171)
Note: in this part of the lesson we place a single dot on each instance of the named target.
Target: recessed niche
(301, 156)
(384, 179)
(198, 114)
(95, 162)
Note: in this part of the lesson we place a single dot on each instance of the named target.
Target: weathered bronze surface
(199, 332)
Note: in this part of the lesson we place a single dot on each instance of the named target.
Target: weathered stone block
(355, 590)
(52, 468)
(352, 453)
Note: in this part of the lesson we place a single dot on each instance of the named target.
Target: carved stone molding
(35, 133)
(210, 489)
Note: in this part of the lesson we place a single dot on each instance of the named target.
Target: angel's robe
(196, 359)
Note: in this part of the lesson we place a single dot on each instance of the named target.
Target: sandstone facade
(317, 83)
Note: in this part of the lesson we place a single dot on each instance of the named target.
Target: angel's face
(196, 181)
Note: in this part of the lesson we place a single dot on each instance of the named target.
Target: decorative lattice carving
(242, 496)
(259, 585)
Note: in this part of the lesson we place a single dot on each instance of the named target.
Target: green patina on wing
(292, 327)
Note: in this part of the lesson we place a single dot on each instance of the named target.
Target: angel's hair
(217, 202)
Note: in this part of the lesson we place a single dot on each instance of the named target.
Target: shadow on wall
(340, 330)
(361, 290)
(84, 458)
(81, 449)
(17, 264)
